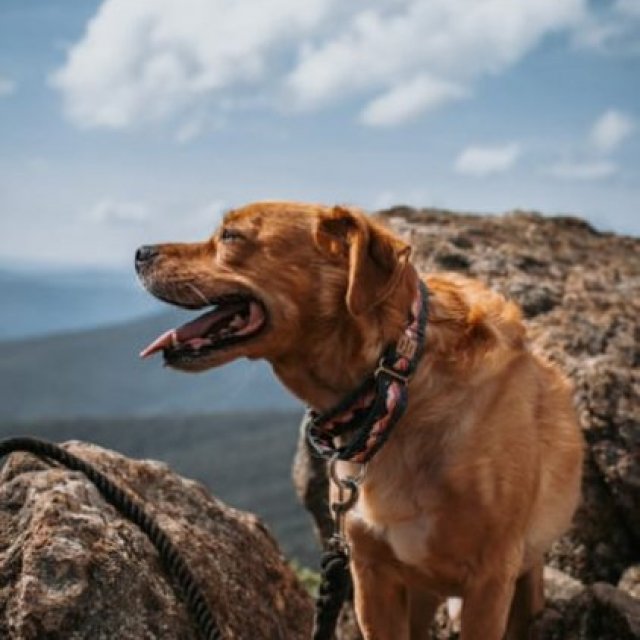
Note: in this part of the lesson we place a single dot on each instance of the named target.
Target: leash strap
(371, 411)
(334, 590)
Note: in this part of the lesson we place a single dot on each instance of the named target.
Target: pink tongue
(194, 329)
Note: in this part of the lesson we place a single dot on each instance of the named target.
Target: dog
(482, 471)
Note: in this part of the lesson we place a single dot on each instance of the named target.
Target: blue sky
(125, 121)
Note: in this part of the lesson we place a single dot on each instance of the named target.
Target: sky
(125, 122)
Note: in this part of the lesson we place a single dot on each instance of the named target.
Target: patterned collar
(371, 411)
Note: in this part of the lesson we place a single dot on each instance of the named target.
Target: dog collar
(371, 411)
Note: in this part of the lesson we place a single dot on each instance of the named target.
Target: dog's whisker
(198, 292)
(141, 282)
(173, 291)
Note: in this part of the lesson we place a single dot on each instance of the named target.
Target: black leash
(334, 590)
(130, 508)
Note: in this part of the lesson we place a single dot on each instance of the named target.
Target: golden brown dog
(481, 473)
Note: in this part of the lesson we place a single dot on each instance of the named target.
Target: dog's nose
(145, 254)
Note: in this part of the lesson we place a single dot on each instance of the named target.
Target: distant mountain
(39, 300)
(98, 373)
(244, 459)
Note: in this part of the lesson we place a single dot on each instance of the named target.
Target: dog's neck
(335, 357)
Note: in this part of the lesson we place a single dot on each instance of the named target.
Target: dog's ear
(376, 258)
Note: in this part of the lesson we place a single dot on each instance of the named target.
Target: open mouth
(232, 320)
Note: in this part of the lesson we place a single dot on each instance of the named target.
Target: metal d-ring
(333, 472)
(343, 505)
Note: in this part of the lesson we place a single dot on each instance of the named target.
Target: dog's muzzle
(145, 255)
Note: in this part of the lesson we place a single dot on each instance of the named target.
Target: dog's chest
(399, 502)
(396, 520)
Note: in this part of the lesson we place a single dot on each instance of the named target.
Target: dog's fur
(482, 472)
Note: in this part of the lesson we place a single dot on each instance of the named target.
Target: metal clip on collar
(392, 373)
(343, 505)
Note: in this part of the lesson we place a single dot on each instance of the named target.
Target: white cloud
(157, 60)
(151, 59)
(598, 34)
(595, 170)
(610, 28)
(118, 212)
(604, 137)
(407, 101)
(452, 41)
(610, 130)
(484, 161)
(7, 86)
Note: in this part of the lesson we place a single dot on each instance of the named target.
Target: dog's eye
(230, 235)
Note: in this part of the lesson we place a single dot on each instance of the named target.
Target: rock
(560, 586)
(72, 568)
(348, 625)
(630, 581)
(600, 611)
(309, 475)
(453, 262)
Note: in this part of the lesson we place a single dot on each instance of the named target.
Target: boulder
(600, 611)
(73, 568)
(309, 475)
(558, 586)
(630, 581)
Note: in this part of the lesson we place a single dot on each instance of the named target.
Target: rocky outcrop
(72, 568)
(580, 293)
(599, 611)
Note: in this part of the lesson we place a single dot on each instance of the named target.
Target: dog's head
(274, 278)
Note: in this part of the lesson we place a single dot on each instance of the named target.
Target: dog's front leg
(485, 607)
(422, 610)
(528, 601)
(380, 597)
(381, 603)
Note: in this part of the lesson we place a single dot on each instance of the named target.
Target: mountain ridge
(98, 373)
(40, 302)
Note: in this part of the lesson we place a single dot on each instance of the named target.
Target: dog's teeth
(237, 322)
(174, 340)
(197, 343)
